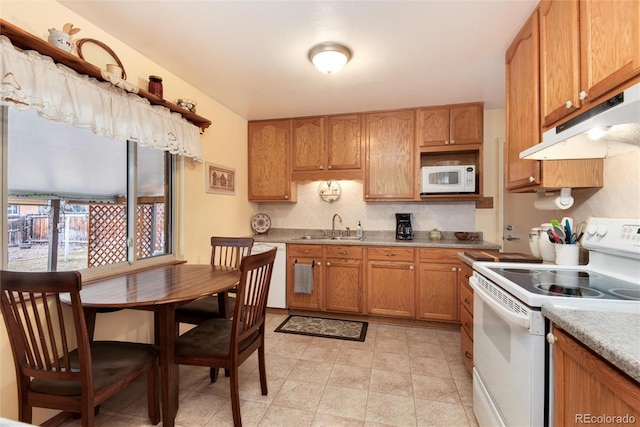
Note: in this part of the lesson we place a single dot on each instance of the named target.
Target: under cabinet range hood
(607, 129)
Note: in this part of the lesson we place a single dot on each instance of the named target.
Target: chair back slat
(229, 251)
(33, 312)
(251, 300)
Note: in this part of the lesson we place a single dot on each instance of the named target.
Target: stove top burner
(568, 283)
(568, 291)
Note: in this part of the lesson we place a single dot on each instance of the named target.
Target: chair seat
(197, 311)
(111, 360)
(210, 339)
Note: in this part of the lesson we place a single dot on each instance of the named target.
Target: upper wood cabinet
(523, 124)
(269, 167)
(327, 147)
(390, 155)
(522, 105)
(449, 125)
(588, 49)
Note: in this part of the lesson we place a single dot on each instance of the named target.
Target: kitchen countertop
(613, 335)
(377, 238)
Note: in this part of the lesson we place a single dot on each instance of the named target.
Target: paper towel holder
(563, 201)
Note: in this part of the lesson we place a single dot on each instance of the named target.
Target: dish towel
(302, 278)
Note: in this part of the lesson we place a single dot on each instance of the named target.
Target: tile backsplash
(311, 212)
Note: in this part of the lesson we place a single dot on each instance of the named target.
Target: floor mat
(328, 328)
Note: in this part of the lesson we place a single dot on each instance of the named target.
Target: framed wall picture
(220, 179)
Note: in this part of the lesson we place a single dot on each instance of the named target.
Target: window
(68, 194)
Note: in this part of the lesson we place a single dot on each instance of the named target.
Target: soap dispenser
(359, 232)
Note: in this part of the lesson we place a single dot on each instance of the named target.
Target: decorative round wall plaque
(329, 191)
(261, 223)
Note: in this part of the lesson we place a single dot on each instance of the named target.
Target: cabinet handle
(467, 325)
(329, 167)
(531, 179)
(466, 276)
(467, 354)
(568, 104)
(344, 253)
(551, 339)
(328, 264)
(582, 95)
(467, 301)
(306, 251)
(286, 197)
(453, 141)
(446, 143)
(411, 267)
(322, 167)
(389, 254)
(454, 269)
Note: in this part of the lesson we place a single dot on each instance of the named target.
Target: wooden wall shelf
(26, 41)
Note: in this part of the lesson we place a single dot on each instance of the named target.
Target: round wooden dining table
(160, 289)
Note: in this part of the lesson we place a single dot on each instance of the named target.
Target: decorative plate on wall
(329, 191)
(260, 223)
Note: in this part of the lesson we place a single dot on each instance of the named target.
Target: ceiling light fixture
(329, 57)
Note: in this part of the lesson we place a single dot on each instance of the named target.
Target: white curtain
(31, 81)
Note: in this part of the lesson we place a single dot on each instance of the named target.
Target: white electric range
(511, 358)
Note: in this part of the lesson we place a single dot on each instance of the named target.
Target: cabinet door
(308, 144)
(609, 44)
(390, 288)
(433, 127)
(309, 255)
(390, 161)
(559, 59)
(342, 285)
(344, 142)
(269, 168)
(438, 292)
(466, 124)
(584, 384)
(522, 105)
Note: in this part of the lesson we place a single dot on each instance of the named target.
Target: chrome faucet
(333, 224)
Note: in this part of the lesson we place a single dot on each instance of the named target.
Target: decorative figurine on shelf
(62, 39)
(187, 104)
(155, 85)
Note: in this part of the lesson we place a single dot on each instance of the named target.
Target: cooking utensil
(567, 227)
(558, 233)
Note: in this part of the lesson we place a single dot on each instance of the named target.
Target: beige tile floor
(399, 376)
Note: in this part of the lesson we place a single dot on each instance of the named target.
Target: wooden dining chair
(227, 343)
(50, 373)
(228, 252)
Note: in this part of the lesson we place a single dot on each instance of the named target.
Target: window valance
(31, 81)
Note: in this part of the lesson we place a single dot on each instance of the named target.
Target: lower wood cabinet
(343, 278)
(438, 285)
(465, 299)
(391, 278)
(587, 387)
(308, 255)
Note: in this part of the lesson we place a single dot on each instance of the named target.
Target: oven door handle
(505, 313)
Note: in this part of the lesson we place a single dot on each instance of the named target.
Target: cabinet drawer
(344, 252)
(466, 321)
(390, 254)
(440, 255)
(466, 350)
(304, 250)
(466, 297)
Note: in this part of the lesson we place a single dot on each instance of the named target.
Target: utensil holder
(567, 254)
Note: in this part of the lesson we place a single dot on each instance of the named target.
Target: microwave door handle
(507, 315)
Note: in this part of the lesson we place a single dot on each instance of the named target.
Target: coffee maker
(404, 230)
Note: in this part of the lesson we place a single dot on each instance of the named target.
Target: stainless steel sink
(311, 237)
(346, 238)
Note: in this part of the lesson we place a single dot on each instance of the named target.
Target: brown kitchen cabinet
(450, 125)
(391, 278)
(328, 147)
(305, 254)
(343, 278)
(269, 162)
(438, 284)
(523, 128)
(465, 298)
(588, 49)
(585, 384)
(390, 160)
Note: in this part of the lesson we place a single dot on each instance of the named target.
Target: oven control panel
(615, 235)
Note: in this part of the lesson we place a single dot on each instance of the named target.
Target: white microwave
(448, 179)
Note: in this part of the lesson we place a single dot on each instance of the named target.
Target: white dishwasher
(278, 290)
